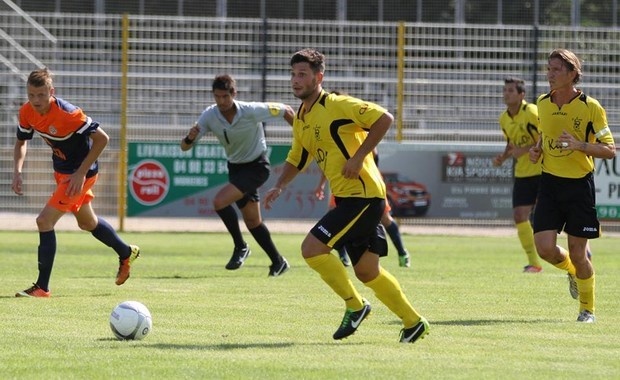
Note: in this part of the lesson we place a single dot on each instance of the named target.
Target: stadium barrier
(442, 81)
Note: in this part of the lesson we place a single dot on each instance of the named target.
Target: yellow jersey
(521, 130)
(330, 133)
(585, 119)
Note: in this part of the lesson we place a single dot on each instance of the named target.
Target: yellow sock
(335, 275)
(566, 265)
(526, 237)
(388, 290)
(586, 293)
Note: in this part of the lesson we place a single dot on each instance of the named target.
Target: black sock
(263, 238)
(394, 233)
(231, 221)
(46, 254)
(106, 234)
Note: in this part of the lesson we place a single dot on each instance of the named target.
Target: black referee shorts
(248, 177)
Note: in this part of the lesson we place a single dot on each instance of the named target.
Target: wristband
(188, 141)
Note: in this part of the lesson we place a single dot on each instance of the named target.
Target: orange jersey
(65, 128)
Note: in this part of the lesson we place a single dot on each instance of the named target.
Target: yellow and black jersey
(585, 119)
(330, 133)
(521, 130)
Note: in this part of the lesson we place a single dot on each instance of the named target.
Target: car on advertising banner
(406, 197)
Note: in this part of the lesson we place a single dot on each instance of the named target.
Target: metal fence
(507, 12)
(451, 82)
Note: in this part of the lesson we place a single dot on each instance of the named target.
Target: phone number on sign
(608, 212)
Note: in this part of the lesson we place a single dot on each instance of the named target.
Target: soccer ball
(131, 320)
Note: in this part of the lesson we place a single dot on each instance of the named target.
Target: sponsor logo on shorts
(590, 229)
(324, 230)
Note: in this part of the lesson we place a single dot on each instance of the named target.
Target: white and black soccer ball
(131, 320)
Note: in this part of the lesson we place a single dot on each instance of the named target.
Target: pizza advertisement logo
(149, 182)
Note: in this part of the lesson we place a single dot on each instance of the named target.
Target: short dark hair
(519, 83)
(41, 77)
(225, 82)
(313, 57)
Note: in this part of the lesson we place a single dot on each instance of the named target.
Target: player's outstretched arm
(319, 191)
(289, 114)
(19, 156)
(288, 174)
(188, 141)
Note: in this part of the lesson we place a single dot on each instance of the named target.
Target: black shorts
(525, 191)
(248, 177)
(354, 223)
(567, 204)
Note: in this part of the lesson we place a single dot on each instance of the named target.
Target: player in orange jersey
(76, 141)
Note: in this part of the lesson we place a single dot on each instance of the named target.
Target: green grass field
(488, 320)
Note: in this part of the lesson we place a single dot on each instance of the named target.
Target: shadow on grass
(60, 296)
(228, 346)
(163, 277)
(220, 347)
(485, 322)
(207, 274)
